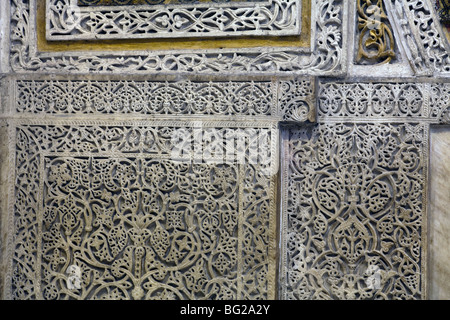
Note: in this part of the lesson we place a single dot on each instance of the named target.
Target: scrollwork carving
(326, 58)
(287, 99)
(420, 28)
(383, 100)
(146, 97)
(373, 100)
(354, 212)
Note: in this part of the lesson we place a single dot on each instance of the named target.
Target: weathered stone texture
(439, 229)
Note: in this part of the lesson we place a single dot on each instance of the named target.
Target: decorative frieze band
(406, 101)
(65, 20)
(286, 100)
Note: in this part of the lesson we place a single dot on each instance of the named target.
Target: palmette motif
(384, 100)
(147, 97)
(288, 100)
(354, 217)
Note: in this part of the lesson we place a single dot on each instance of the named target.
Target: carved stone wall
(234, 150)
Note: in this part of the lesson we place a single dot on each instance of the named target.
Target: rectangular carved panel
(354, 211)
(286, 99)
(157, 19)
(109, 210)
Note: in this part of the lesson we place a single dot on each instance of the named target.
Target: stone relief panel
(147, 97)
(376, 39)
(427, 101)
(421, 35)
(65, 20)
(282, 99)
(354, 216)
(103, 210)
(325, 56)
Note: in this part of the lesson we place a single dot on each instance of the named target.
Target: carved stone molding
(354, 211)
(68, 21)
(422, 37)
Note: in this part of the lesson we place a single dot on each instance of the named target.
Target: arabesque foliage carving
(426, 45)
(354, 217)
(376, 40)
(286, 99)
(109, 204)
(327, 57)
(66, 21)
(384, 100)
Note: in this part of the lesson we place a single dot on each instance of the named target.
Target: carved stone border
(329, 35)
(389, 100)
(284, 99)
(66, 21)
(367, 133)
(421, 36)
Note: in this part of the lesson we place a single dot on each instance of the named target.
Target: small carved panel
(376, 39)
(354, 204)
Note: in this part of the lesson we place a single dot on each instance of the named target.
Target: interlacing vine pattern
(354, 217)
(287, 99)
(107, 203)
(192, 19)
(384, 100)
(326, 58)
(376, 39)
(426, 43)
(372, 99)
(146, 97)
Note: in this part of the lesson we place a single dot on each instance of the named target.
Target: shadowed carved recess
(329, 29)
(286, 100)
(354, 221)
(443, 10)
(67, 21)
(111, 205)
